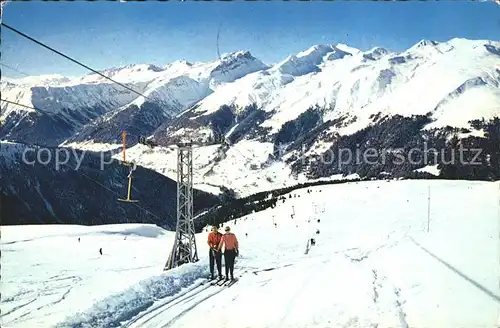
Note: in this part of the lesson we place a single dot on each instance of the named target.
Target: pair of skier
(216, 241)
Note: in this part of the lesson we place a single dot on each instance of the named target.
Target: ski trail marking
(172, 300)
(195, 304)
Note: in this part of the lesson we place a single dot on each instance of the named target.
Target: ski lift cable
(175, 121)
(14, 69)
(66, 57)
(25, 106)
(79, 63)
(71, 59)
(116, 194)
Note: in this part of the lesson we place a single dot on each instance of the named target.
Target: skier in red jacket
(230, 243)
(214, 238)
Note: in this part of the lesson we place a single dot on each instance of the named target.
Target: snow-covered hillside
(373, 265)
(449, 83)
(241, 169)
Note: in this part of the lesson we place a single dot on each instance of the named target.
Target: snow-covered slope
(307, 101)
(373, 265)
(243, 168)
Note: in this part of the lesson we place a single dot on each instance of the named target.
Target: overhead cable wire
(71, 59)
(25, 106)
(116, 194)
(14, 69)
(177, 120)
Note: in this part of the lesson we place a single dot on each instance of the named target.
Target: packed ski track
(181, 305)
(373, 264)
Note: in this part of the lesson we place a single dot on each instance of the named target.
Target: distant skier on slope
(230, 243)
(214, 238)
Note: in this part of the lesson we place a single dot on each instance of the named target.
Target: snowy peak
(375, 53)
(345, 48)
(316, 53)
(423, 43)
(238, 59)
(304, 62)
(128, 73)
(426, 48)
(338, 53)
(131, 69)
(307, 61)
(42, 80)
(233, 66)
(236, 56)
(178, 63)
(178, 92)
(296, 66)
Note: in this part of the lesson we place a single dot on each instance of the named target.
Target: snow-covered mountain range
(280, 120)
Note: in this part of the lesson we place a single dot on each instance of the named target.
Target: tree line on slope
(401, 146)
(235, 208)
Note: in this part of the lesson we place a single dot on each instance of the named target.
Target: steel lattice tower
(184, 249)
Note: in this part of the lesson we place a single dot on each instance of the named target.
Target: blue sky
(109, 34)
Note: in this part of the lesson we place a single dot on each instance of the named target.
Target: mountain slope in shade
(80, 191)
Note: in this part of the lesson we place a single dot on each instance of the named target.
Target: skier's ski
(231, 282)
(217, 281)
(222, 282)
